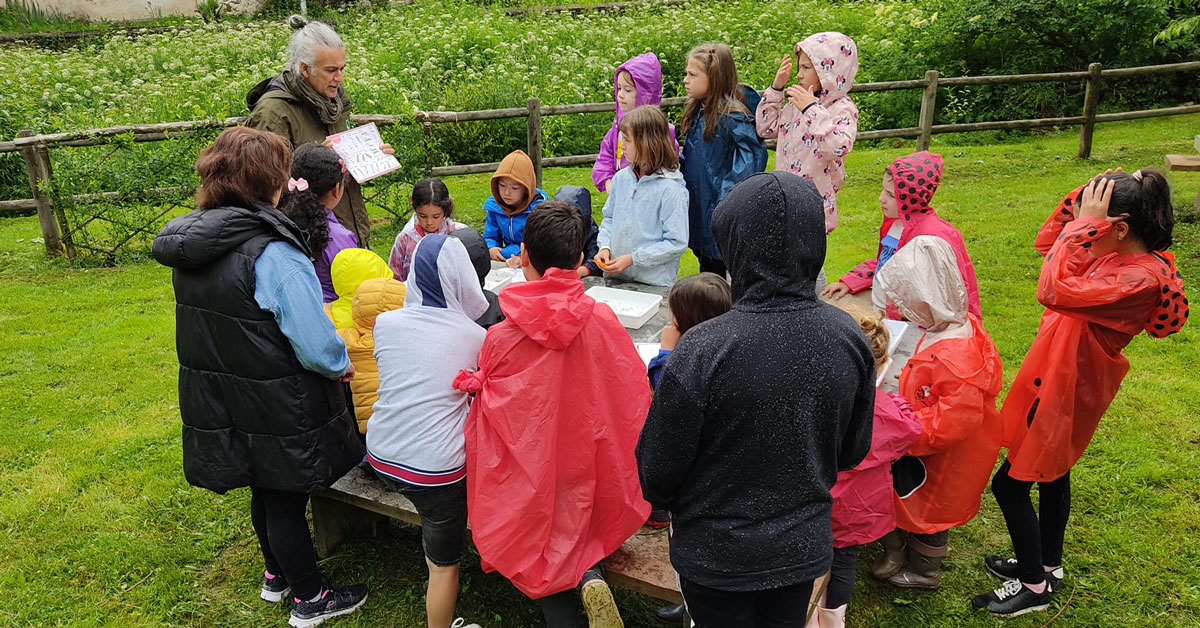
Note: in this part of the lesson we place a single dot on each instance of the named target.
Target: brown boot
(923, 570)
(892, 559)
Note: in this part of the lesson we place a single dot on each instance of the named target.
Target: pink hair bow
(297, 185)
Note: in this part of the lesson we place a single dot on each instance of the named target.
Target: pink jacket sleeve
(896, 429)
(769, 114)
(860, 277)
(606, 162)
(833, 128)
(401, 255)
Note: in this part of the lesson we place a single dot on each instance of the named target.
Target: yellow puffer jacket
(350, 268)
(373, 297)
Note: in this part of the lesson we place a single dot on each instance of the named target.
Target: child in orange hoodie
(514, 195)
(1106, 277)
(951, 381)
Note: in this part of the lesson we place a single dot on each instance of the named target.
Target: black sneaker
(332, 603)
(1006, 569)
(1012, 599)
(274, 588)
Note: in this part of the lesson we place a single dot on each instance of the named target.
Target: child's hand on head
(800, 97)
(784, 74)
(495, 254)
(835, 291)
(1094, 200)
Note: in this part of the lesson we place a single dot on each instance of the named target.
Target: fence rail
(35, 148)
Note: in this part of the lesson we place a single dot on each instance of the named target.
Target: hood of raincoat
(923, 280)
(442, 276)
(374, 297)
(915, 178)
(550, 311)
(350, 268)
(647, 78)
(835, 57)
(1172, 311)
(772, 268)
(518, 167)
(203, 236)
(477, 249)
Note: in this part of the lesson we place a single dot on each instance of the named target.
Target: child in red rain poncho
(561, 395)
(1106, 277)
(908, 188)
(951, 381)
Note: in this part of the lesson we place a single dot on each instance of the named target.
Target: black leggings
(785, 607)
(1037, 537)
(841, 576)
(283, 537)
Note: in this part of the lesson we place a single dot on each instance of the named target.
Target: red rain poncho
(1094, 307)
(915, 178)
(863, 508)
(552, 484)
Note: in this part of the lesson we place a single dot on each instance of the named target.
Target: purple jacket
(339, 238)
(647, 77)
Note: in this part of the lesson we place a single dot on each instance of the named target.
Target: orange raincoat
(951, 382)
(1094, 307)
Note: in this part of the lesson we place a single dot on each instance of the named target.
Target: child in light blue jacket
(644, 231)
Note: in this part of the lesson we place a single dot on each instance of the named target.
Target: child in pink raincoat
(908, 188)
(637, 82)
(863, 506)
(814, 119)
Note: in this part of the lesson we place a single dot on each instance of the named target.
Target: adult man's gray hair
(307, 38)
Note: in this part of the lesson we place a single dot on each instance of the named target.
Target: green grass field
(98, 527)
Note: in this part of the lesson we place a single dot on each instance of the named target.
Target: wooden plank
(37, 169)
(928, 106)
(1183, 163)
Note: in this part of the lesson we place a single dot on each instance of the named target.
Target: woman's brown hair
(244, 167)
(697, 298)
(724, 94)
(646, 128)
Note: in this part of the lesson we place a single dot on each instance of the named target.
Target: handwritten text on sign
(360, 149)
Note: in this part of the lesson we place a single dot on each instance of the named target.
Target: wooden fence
(35, 148)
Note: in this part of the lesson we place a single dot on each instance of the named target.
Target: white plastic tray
(896, 331)
(633, 309)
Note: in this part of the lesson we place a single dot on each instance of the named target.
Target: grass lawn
(99, 528)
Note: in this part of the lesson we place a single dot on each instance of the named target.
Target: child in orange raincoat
(1106, 277)
(951, 381)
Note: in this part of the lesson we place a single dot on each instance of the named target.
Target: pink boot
(831, 617)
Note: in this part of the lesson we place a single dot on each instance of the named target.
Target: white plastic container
(633, 309)
(497, 278)
(896, 330)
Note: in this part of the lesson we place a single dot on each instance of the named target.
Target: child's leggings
(1037, 540)
(841, 577)
(283, 536)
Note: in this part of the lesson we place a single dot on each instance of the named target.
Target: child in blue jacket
(514, 195)
(721, 146)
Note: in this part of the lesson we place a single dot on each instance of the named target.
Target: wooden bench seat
(360, 500)
(1184, 163)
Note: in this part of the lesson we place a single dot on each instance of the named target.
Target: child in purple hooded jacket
(317, 183)
(814, 119)
(637, 82)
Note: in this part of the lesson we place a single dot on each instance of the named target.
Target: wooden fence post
(534, 136)
(1091, 101)
(928, 103)
(37, 168)
(428, 126)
